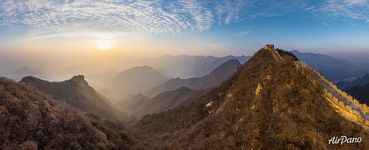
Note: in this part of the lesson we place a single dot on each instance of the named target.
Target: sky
(104, 30)
(186, 26)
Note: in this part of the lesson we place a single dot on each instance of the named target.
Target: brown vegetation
(79, 94)
(31, 119)
(290, 111)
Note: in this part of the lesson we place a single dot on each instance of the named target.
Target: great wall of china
(346, 105)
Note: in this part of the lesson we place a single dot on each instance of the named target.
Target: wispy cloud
(44, 17)
(158, 16)
(142, 16)
(243, 33)
(352, 9)
(228, 11)
(355, 2)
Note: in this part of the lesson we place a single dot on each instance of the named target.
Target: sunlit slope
(347, 106)
(272, 102)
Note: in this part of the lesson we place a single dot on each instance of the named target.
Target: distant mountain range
(214, 78)
(335, 69)
(77, 93)
(358, 88)
(356, 82)
(365, 65)
(185, 66)
(132, 81)
(275, 101)
(177, 92)
(360, 92)
(19, 73)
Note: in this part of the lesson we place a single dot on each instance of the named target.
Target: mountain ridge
(188, 66)
(272, 101)
(360, 91)
(141, 105)
(76, 92)
(32, 119)
(214, 78)
(335, 69)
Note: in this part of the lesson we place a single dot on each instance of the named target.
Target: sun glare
(105, 44)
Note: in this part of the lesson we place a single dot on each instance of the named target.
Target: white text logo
(344, 139)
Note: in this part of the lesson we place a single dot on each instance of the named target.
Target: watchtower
(269, 46)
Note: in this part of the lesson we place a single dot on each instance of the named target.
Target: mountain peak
(269, 52)
(233, 61)
(140, 69)
(27, 79)
(213, 79)
(231, 65)
(77, 93)
(265, 103)
(133, 81)
(78, 78)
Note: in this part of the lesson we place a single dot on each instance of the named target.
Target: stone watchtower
(269, 46)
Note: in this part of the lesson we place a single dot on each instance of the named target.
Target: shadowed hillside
(31, 119)
(361, 81)
(360, 92)
(78, 93)
(140, 105)
(335, 69)
(214, 78)
(358, 88)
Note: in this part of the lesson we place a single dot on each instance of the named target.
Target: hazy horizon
(55, 67)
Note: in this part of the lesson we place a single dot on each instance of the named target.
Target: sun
(105, 44)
